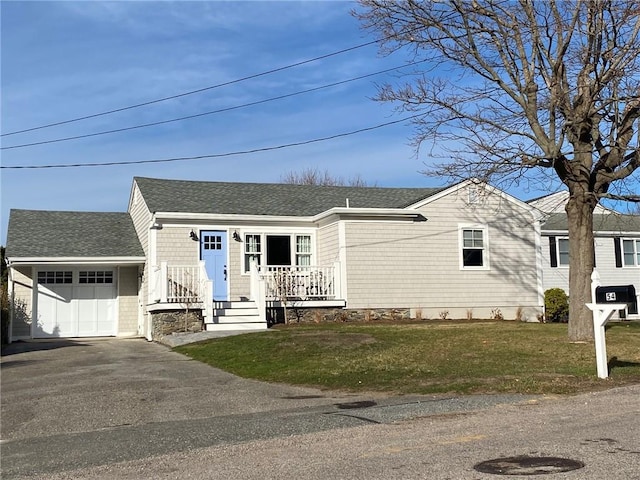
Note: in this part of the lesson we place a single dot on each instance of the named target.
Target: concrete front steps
(229, 316)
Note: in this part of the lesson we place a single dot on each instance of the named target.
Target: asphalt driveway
(69, 386)
(130, 409)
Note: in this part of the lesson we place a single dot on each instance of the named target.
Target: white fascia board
(14, 262)
(227, 217)
(346, 212)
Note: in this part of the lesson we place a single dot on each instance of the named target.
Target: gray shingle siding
(51, 234)
(269, 198)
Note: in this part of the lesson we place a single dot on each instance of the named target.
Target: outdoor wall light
(156, 226)
(236, 236)
(193, 235)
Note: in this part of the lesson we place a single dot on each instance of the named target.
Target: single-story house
(236, 252)
(616, 242)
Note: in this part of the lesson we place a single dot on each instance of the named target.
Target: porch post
(164, 281)
(337, 280)
(258, 291)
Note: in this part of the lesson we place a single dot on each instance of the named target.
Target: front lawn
(426, 357)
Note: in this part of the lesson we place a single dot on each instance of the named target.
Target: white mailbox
(602, 313)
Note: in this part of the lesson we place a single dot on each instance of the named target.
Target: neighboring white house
(237, 251)
(616, 241)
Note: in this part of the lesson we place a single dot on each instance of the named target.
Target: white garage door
(75, 303)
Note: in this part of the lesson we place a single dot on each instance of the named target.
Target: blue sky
(63, 60)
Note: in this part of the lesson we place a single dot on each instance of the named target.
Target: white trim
(33, 261)
(226, 217)
(636, 251)
(342, 256)
(376, 213)
(539, 264)
(558, 264)
(486, 264)
(292, 234)
(243, 219)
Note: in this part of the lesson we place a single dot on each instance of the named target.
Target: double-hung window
(252, 250)
(303, 250)
(473, 248)
(631, 252)
(558, 252)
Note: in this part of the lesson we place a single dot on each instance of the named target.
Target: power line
(215, 155)
(222, 110)
(231, 82)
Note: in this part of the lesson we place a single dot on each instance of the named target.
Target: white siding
(558, 277)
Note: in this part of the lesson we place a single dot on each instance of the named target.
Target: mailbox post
(602, 313)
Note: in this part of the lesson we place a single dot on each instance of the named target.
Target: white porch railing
(181, 284)
(300, 282)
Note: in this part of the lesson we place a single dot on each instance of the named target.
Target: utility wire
(222, 110)
(215, 155)
(231, 82)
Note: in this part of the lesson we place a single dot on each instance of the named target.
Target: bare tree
(525, 91)
(313, 176)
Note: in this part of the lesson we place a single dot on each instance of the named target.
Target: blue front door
(213, 250)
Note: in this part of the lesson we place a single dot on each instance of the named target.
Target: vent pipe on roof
(347, 203)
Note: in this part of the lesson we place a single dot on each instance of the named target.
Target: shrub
(556, 305)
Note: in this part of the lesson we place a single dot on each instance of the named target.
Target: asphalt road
(129, 409)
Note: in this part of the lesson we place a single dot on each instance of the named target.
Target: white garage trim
(75, 302)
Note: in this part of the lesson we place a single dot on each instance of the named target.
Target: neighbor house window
(474, 248)
(96, 277)
(558, 252)
(563, 251)
(631, 252)
(252, 250)
(55, 277)
(303, 250)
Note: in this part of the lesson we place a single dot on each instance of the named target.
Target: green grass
(433, 357)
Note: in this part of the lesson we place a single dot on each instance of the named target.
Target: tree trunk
(581, 263)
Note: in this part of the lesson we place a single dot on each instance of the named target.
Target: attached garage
(75, 303)
(83, 282)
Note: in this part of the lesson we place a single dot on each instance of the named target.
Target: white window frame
(299, 254)
(635, 242)
(263, 246)
(558, 257)
(260, 253)
(485, 246)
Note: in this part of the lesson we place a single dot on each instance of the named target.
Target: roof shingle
(189, 196)
(610, 222)
(51, 234)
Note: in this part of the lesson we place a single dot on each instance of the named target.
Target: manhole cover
(525, 465)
